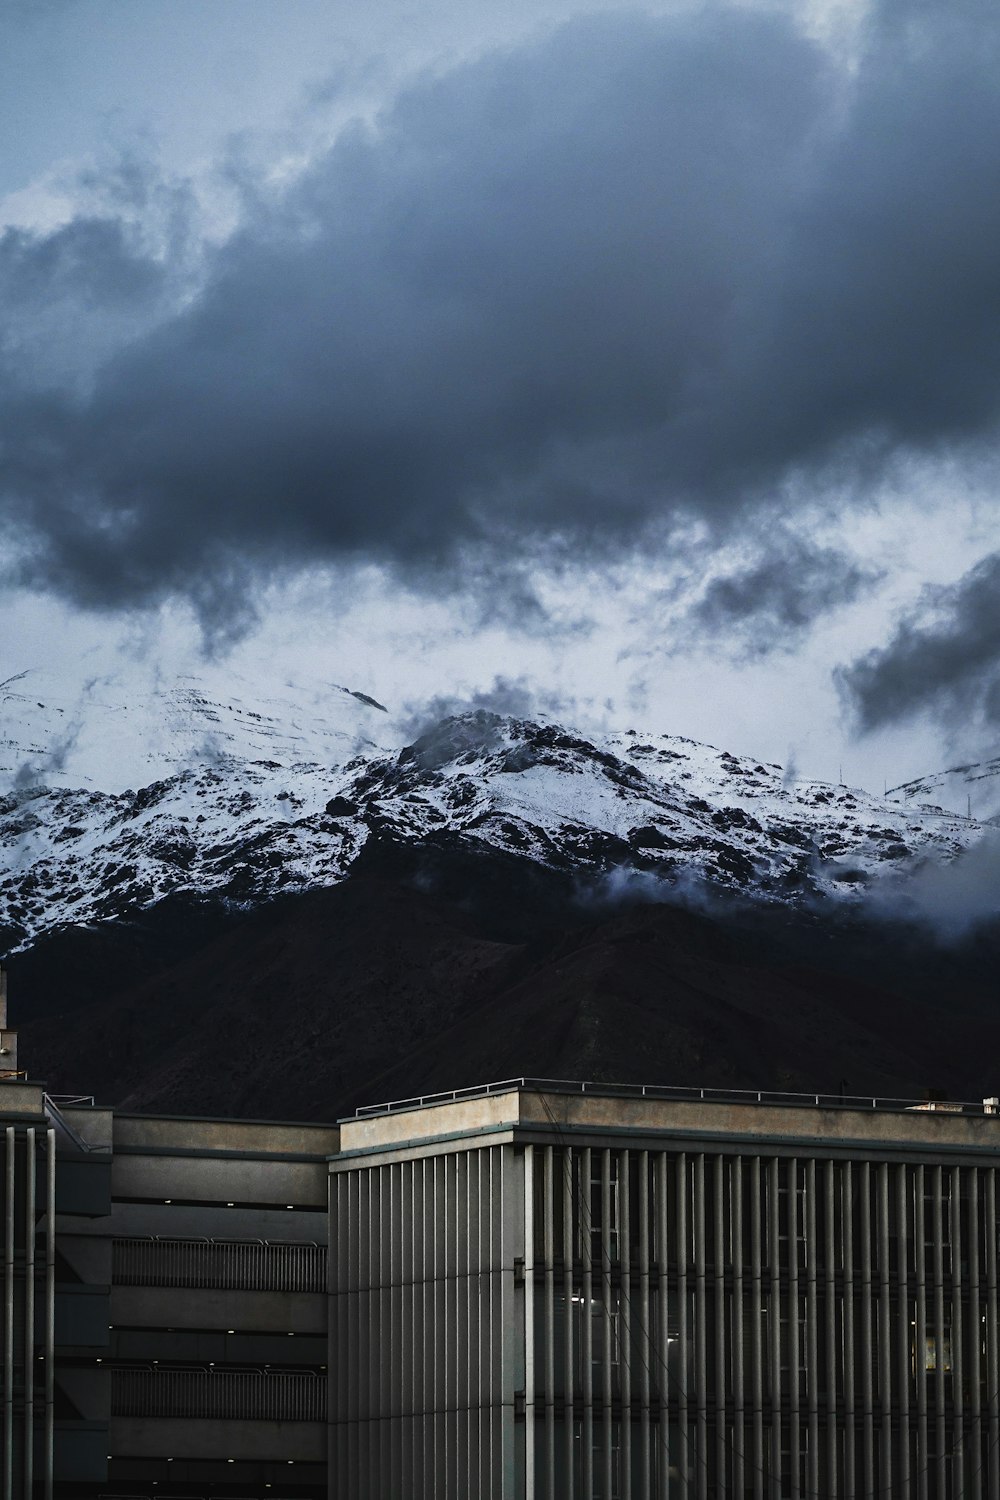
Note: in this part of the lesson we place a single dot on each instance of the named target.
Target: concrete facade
(669, 1297)
(165, 1308)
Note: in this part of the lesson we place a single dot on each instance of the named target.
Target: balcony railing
(225, 1265)
(221, 1395)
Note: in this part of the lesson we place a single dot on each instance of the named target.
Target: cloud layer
(638, 270)
(767, 604)
(943, 657)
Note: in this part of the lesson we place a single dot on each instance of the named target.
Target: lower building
(170, 1336)
(529, 1291)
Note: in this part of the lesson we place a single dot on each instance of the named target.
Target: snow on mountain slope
(111, 734)
(972, 789)
(244, 799)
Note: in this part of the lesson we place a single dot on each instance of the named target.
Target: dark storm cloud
(87, 260)
(768, 604)
(638, 269)
(71, 298)
(508, 697)
(944, 658)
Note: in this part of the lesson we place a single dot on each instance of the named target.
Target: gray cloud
(640, 268)
(87, 259)
(33, 772)
(73, 297)
(766, 605)
(508, 697)
(951, 898)
(945, 657)
(35, 769)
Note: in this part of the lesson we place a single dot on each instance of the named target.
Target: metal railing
(234, 1395)
(680, 1092)
(228, 1265)
(52, 1104)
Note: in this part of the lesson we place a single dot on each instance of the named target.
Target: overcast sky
(645, 358)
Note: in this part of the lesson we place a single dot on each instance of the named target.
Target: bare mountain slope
(372, 990)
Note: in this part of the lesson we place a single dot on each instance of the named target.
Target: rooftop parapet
(730, 1115)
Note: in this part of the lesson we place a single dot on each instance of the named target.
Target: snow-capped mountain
(973, 789)
(112, 805)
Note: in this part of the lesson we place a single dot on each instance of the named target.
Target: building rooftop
(678, 1091)
(574, 1108)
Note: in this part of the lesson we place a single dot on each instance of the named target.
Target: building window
(937, 1351)
(235, 1265)
(240, 1395)
(602, 1214)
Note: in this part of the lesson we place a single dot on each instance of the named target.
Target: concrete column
(738, 1262)
(920, 1326)
(903, 1331)
(29, 1313)
(10, 1181)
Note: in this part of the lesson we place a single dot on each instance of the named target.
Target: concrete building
(575, 1291)
(529, 1291)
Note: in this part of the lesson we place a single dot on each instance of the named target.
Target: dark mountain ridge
(452, 968)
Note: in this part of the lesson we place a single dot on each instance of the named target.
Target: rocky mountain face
(309, 905)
